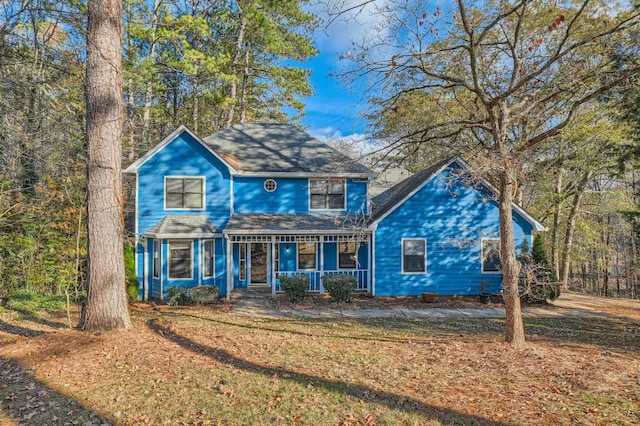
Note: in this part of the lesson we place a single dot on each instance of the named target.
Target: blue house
(256, 202)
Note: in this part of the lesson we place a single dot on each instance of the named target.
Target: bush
(537, 283)
(204, 294)
(295, 286)
(130, 274)
(340, 286)
(178, 295)
(31, 302)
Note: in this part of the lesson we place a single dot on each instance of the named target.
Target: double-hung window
(414, 256)
(326, 194)
(491, 255)
(184, 192)
(180, 260)
(208, 259)
(347, 255)
(306, 255)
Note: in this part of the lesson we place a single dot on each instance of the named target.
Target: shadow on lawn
(18, 330)
(391, 400)
(27, 401)
(606, 332)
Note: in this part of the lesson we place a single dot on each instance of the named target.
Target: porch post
(272, 282)
(321, 264)
(229, 267)
(369, 265)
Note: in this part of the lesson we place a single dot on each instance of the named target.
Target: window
(242, 263)
(184, 193)
(306, 255)
(414, 256)
(156, 259)
(491, 255)
(270, 185)
(180, 260)
(347, 255)
(208, 257)
(326, 194)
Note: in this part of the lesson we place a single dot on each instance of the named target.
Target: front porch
(257, 261)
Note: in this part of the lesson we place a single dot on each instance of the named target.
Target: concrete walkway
(256, 306)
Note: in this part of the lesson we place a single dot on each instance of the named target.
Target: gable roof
(385, 203)
(270, 148)
(182, 226)
(133, 167)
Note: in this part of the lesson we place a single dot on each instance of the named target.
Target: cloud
(350, 21)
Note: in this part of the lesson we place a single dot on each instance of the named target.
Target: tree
(500, 78)
(539, 251)
(106, 304)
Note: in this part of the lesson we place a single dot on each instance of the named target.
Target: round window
(270, 185)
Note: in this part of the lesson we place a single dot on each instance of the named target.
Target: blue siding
(290, 196)
(288, 256)
(183, 156)
(330, 256)
(453, 218)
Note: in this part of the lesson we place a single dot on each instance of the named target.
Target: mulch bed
(365, 301)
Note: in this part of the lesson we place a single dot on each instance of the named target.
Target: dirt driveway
(618, 306)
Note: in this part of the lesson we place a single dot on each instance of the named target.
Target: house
(256, 202)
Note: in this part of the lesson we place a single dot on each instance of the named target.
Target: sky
(334, 110)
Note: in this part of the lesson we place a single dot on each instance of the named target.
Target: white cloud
(358, 18)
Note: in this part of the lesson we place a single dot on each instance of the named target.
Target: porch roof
(289, 223)
(182, 226)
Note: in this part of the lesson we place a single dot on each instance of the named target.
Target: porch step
(254, 292)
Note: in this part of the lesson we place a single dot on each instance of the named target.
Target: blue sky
(334, 110)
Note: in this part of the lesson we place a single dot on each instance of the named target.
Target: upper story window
(414, 256)
(184, 193)
(491, 255)
(327, 194)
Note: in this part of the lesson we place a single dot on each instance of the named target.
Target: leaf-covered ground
(198, 366)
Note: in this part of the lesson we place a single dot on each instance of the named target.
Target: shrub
(340, 286)
(130, 274)
(31, 302)
(178, 295)
(539, 250)
(295, 286)
(204, 294)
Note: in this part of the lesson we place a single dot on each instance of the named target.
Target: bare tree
(106, 304)
(493, 80)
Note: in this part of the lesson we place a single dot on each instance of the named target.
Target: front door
(259, 256)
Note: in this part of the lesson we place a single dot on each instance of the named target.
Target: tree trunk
(106, 304)
(571, 226)
(148, 97)
(233, 92)
(245, 84)
(195, 112)
(555, 232)
(514, 326)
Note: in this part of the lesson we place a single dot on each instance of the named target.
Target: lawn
(198, 366)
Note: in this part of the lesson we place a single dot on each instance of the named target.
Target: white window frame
(190, 242)
(424, 241)
(355, 254)
(315, 257)
(482, 240)
(204, 193)
(242, 261)
(344, 201)
(156, 254)
(204, 258)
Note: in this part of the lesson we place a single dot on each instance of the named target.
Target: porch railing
(315, 282)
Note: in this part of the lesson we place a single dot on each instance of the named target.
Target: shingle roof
(173, 226)
(275, 148)
(384, 202)
(295, 222)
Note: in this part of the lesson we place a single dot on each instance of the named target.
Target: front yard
(196, 366)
